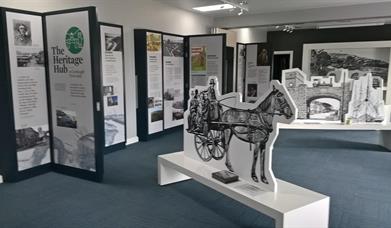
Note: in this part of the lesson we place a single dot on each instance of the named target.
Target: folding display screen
(57, 125)
(160, 71)
(113, 80)
(75, 91)
(253, 70)
(173, 75)
(206, 58)
(240, 67)
(28, 79)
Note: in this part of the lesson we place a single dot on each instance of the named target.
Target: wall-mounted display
(112, 52)
(219, 130)
(28, 79)
(206, 58)
(258, 66)
(336, 96)
(357, 57)
(173, 73)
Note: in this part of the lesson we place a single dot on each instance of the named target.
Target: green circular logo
(74, 40)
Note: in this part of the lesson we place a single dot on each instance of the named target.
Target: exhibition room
(195, 113)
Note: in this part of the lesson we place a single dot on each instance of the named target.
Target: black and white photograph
(66, 118)
(32, 144)
(157, 115)
(177, 110)
(31, 137)
(262, 56)
(30, 59)
(169, 94)
(22, 33)
(252, 90)
(375, 60)
(325, 109)
(108, 90)
(112, 101)
(113, 42)
(173, 48)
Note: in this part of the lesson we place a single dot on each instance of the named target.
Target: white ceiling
(269, 6)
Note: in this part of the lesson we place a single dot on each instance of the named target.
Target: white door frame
(290, 53)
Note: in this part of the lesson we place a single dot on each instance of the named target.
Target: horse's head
(280, 105)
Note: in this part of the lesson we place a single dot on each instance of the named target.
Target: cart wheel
(217, 140)
(203, 147)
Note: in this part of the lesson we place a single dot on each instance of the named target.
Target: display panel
(155, 82)
(206, 58)
(28, 79)
(70, 71)
(173, 71)
(113, 83)
(257, 71)
(241, 68)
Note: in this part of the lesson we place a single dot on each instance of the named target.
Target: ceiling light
(214, 7)
(349, 25)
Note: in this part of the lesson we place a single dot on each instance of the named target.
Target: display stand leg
(312, 215)
(167, 175)
(385, 139)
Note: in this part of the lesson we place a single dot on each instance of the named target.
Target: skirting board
(132, 140)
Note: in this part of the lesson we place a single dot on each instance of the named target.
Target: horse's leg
(227, 139)
(255, 158)
(262, 163)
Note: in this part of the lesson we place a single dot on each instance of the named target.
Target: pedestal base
(290, 206)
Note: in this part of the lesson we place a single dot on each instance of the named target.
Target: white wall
(251, 35)
(308, 15)
(131, 14)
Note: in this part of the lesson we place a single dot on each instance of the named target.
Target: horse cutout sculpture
(213, 120)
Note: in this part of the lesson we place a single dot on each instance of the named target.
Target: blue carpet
(344, 165)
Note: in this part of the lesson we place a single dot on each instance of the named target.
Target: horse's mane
(265, 104)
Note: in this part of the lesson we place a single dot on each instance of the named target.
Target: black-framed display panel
(8, 153)
(270, 56)
(141, 66)
(237, 67)
(223, 57)
(118, 146)
(97, 101)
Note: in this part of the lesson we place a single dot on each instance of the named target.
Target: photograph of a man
(262, 56)
(22, 33)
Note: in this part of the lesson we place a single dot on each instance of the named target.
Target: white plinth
(290, 206)
(336, 126)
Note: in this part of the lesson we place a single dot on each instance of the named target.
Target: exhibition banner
(29, 94)
(113, 83)
(257, 71)
(173, 72)
(70, 71)
(155, 82)
(206, 58)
